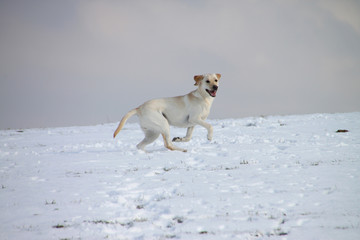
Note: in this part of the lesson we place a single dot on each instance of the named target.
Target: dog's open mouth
(211, 92)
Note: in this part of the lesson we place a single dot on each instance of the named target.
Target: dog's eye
(216, 80)
(207, 81)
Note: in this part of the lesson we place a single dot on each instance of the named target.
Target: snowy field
(276, 177)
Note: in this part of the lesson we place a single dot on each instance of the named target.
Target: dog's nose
(215, 87)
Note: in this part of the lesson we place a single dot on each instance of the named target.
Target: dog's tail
(123, 120)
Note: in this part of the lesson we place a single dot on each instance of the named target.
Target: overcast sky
(68, 62)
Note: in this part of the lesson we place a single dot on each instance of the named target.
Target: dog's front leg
(186, 138)
(205, 125)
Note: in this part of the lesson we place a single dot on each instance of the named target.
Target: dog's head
(208, 83)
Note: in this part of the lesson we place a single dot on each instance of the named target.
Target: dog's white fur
(183, 111)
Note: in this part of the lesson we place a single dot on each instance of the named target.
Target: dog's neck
(203, 95)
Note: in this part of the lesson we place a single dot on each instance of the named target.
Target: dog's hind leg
(153, 123)
(168, 144)
(150, 136)
(186, 138)
(165, 132)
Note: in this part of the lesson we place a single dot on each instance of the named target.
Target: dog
(156, 116)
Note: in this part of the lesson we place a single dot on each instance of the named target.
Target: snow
(274, 177)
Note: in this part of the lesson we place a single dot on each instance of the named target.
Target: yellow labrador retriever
(183, 111)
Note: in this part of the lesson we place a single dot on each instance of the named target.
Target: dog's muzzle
(213, 91)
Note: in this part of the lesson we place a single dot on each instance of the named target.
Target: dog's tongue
(213, 93)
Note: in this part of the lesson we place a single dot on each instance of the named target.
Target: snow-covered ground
(276, 177)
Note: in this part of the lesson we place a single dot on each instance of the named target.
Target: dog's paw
(180, 139)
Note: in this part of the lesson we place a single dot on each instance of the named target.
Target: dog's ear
(197, 79)
(218, 75)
